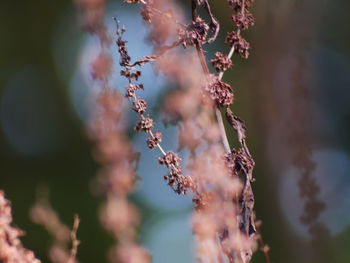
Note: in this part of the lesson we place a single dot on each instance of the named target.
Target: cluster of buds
(131, 73)
(11, 249)
(130, 92)
(242, 47)
(242, 19)
(170, 159)
(113, 151)
(238, 4)
(154, 140)
(179, 183)
(145, 124)
(176, 180)
(140, 106)
(221, 62)
(220, 92)
(195, 33)
(124, 57)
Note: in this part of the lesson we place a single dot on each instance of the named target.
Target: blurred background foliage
(44, 110)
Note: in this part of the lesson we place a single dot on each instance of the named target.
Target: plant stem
(207, 73)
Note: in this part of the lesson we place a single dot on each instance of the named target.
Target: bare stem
(222, 130)
(158, 145)
(230, 54)
(75, 241)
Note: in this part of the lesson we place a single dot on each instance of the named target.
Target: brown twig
(152, 58)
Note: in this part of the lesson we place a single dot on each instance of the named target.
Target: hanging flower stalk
(117, 177)
(212, 197)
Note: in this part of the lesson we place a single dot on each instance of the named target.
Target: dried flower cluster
(241, 46)
(11, 249)
(196, 32)
(240, 161)
(175, 178)
(220, 91)
(224, 220)
(43, 214)
(154, 140)
(221, 62)
(117, 176)
(219, 177)
(242, 19)
(224, 202)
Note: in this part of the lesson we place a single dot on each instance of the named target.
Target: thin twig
(75, 241)
(154, 57)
